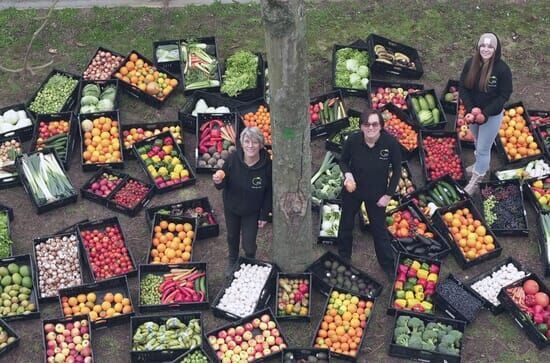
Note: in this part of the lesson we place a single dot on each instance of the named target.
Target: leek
(545, 218)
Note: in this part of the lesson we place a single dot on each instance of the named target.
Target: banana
(401, 56)
(382, 60)
(378, 47)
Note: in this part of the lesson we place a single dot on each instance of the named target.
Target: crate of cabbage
(56, 131)
(45, 180)
(329, 221)
(427, 338)
(350, 69)
(18, 291)
(10, 148)
(16, 120)
(56, 94)
(216, 139)
(327, 114)
(8, 338)
(244, 76)
(97, 96)
(327, 182)
(336, 140)
(426, 109)
(293, 296)
(161, 338)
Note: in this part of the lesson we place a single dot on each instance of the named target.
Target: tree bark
(285, 38)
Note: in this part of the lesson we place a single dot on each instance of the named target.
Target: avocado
(25, 271)
(340, 280)
(335, 264)
(327, 264)
(423, 103)
(430, 100)
(347, 284)
(341, 269)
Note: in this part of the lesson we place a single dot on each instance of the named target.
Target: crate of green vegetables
(6, 243)
(335, 141)
(327, 181)
(350, 69)
(248, 66)
(327, 114)
(56, 94)
(329, 221)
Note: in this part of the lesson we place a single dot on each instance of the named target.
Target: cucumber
(55, 138)
(326, 111)
(422, 198)
(448, 194)
(435, 196)
(451, 189)
(431, 200)
(203, 284)
(443, 195)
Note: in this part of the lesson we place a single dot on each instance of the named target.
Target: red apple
(480, 118)
(248, 326)
(222, 334)
(469, 118)
(265, 318)
(279, 340)
(476, 111)
(258, 348)
(231, 332)
(238, 339)
(239, 330)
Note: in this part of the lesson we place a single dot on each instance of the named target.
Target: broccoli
(401, 330)
(428, 346)
(318, 183)
(456, 335)
(448, 340)
(403, 320)
(402, 340)
(432, 326)
(416, 324)
(447, 349)
(430, 336)
(415, 342)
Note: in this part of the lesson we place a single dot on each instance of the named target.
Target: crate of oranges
(141, 79)
(256, 114)
(101, 141)
(516, 140)
(472, 241)
(107, 302)
(172, 239)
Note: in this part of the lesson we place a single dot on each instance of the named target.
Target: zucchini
(451, 189)
(435, 196)
(443, 195)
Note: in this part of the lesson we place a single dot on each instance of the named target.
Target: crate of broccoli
(327, 182)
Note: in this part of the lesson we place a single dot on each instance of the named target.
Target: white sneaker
(472, 184)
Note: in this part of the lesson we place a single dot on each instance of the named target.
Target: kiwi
(335, 264)
(341, 269)
(327, 264)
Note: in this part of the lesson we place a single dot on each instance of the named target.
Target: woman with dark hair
(486, 82)
(366, 160)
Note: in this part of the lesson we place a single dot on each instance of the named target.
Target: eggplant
(407, 240)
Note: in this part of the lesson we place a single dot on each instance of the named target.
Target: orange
(127, 309)
(105, 305)
(91, 297)
(187, 227)
(163, 224)
(67, 311)
(118, 297)
(134, 57)
(109, 297)
(125, 301)
(73, 301)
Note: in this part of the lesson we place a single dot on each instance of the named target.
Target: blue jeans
(484, 136)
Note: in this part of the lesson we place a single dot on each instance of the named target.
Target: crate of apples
(465, 135)
(68, 340)
(381, 96)
(293, 296)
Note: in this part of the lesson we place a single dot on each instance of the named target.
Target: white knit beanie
(488, 38)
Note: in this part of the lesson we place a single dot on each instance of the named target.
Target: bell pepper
(418, 308)
(419, 295)
(407, 262)
(422, 274)
(416, 265)
(403, 268)
(400, 303)
(400, 294)
(425, 266)
(409, 295)
(412, 280)
(418, 288)
(411, 272)
(428, 294)
(402, 277)
(408, 286)
(434, 269)
(432, 277)
(398, 285)
(412, 302)
(430, 285)
(422, 282)
(427, 306)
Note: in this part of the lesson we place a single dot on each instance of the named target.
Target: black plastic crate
(350, 91)
(175, 66)
(303, 353)
(498, 174)
(495, 309)
(202, 119)
(407, 169)
(33, 298)
(44, 239)
(437, 219)
(541, 133)
(11, 181)
(191, 179)
(449, 107)
(47, 206)
(263, 297)
(101, 225)
(422, 355)
(113, 285)
(69, 102)
(211, 229)
(142, 95)
(249, 107)
(404, 117)
(65, 321)
(324, 287)
(86, 193)
(302, 276)
(71, 135)
(336, 147)
(393, 69)
(180, 358)
(130, 211)
(172, 219)
(24, 133)
(328, 240)
(160, 269)
(442, 117)
(522, 319)
(342, 356)
(102, 85)
(453, 309)
(150, 128)
(102, 49)
(425, 190)
(11, 333)
(508, 231)
(212, 50)
(8, 210)
(439, 134)
(185, 114)
(391, 87)
(242, 322)
(401, 257)
(543, 244)
(164, 354)
(251, 93)
(534, 114)
(333, 126)
(114, 116)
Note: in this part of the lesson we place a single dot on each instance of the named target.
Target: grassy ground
(443, 31)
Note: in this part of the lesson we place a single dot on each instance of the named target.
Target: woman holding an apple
(485, 85)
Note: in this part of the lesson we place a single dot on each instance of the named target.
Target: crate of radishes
(387, 57)
(503, 207)
(57, 93)
(327, 114)
(261, 327)
(427, 338)
(472, 241)
(161, 338)
(526, 300)
(440, 153)
(56, 131)
(10, 148)
(329, 221)
(487, 285)
(67, 337)
(398, 124)
(8, 338)
(172, 286)
(58, 264)
(18, 275)
(132, 133)
(107, 302)
(293, 296)
(543, 229)
(330, 270)
(102, 65)
(164, 163)
(172, 239)
(16, 120)
(335, 141)
(385, 92)
(248, 291)
(105, 249)
(302, 355)
(199, 208)
(457, 300)
(204, 102)
(98, 96)
(348, 316)
(195, 355)
(216, 139)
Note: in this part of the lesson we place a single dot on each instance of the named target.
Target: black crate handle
(518, 322)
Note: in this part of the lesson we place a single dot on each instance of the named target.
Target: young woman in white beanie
(486, 82)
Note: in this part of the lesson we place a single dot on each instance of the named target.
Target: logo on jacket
(257, 182)
(492, 81)
(384, 153)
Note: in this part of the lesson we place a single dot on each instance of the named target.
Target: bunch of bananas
(384, 56)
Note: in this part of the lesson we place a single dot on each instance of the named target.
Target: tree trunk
(285, 38)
